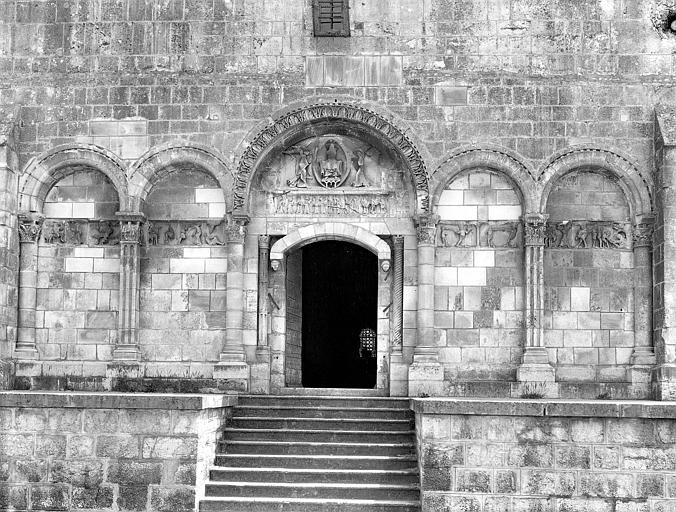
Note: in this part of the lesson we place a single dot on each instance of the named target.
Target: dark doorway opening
(340, 296)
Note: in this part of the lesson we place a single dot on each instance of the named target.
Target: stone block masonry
(561, 456)
(107, 452)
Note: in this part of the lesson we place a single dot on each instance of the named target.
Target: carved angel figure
(358, 165)
(303, 164)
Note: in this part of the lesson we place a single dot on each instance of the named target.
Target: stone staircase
(316, 454)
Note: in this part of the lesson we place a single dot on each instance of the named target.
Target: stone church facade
(501, 171)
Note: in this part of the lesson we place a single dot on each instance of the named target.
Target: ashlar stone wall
(589, 279)
(479, 284)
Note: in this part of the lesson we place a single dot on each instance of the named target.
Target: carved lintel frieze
(426, 228)
(362, 204)
(237, 228)
(65, 232)
(588, 234)
(494, 234)
(535, 228)
(30, 227)
(642, 234)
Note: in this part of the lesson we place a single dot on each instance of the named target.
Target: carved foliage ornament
(331, 110)
(30, 228)
(642, 234)
(535, 228)
(426, 229)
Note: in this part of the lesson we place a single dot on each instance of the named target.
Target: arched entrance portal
(329, 282)
(339, 302)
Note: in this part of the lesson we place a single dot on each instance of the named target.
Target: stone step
(340, 392)
(310, 448)
(280, 411)
(319, 423)
(324, 401)
(317, 461)
(290, 475)
(318, 436)
(313, 490)
(305, 505)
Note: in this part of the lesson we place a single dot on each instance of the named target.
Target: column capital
(426, 228)
(237, 228)
(642, 232)
(398, 241)
(130, 226)
(264, 241)
(535, 228)
(30, 226)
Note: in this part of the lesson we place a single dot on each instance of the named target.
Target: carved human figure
(210, 235)
(153, 233)
(104, 231)
(74, 233)
(169, 235)
(581, 234)
(331, 169)
(358, 165)
(303, 164)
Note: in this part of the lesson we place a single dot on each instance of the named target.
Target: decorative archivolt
(326, 111)
(162, 160)
(636, 186)
(43, 171)
(490, 157)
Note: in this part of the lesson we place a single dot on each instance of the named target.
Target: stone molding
(330, 231)
(559, 408)
(326, 110)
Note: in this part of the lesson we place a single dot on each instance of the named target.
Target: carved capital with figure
(535, 228)
(30, 227)
(130, 227)
(426, 228)
(642, 234)
(237, 228)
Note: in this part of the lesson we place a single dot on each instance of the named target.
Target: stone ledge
(92, 400)
(552, 408)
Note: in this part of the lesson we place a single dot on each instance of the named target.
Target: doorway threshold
(332, 392)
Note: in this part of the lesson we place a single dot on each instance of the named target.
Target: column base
(425, 378)
(664, 382)
(126, 353)
(124, 370)
(232, 375)
(232, 357)
(398, 375)
(643, 356)
(26, 353)
(260, 372)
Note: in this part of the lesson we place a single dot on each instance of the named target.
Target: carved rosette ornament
(642, 234)
(30, 227)
(426, 229)
(535, 229)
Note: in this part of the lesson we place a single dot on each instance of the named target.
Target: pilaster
(30, 228)
(426, 373)
(534, 365)
(232, 367)
(398, 367)
(127, 348)
(260, 370)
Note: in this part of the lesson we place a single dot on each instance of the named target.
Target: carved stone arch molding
(324, 116)
(491, 157)
(160, 161)
(637, 186)
(330, 231)
(43, 171)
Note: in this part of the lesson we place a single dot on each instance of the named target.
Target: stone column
(127, 348)
(30, 228)
(535, 365)
(426, 374)
(233, 368)
(643, 356)
(260, 370)
(398, 367)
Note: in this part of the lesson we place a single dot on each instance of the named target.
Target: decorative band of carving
(496, 234)
(322, 111)
(81, 231)
(30, 227)
(535, 228)
(588, 234)
(199, 232)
